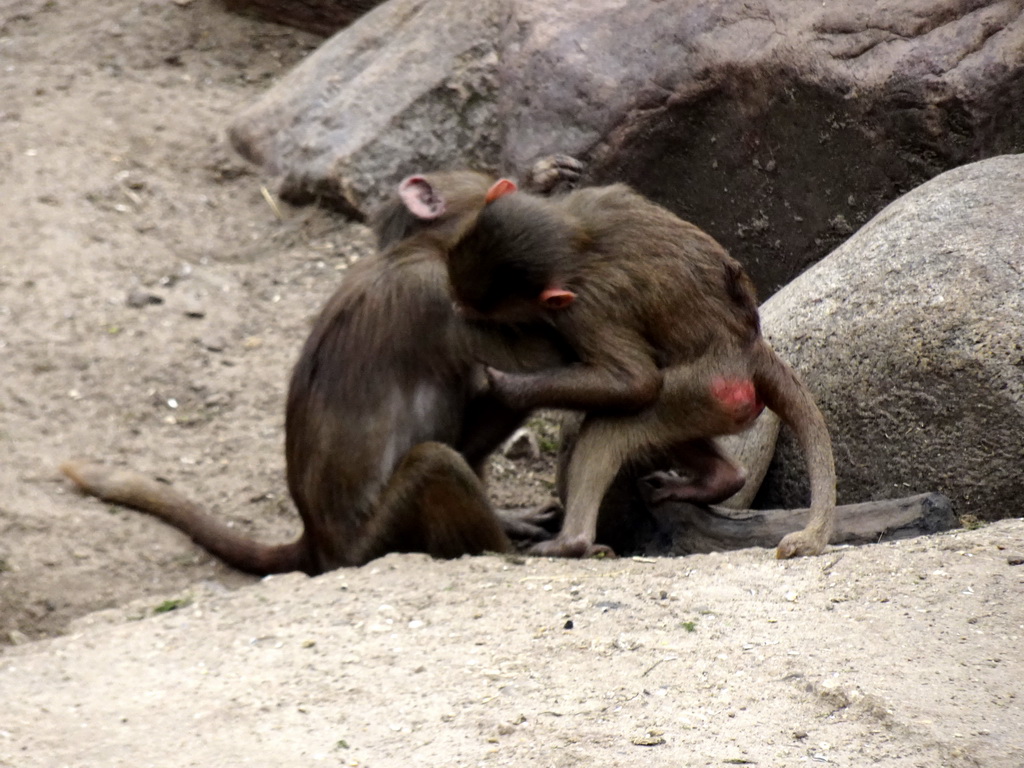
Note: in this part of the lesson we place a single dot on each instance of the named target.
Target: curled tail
(784, 392)
(131, 489)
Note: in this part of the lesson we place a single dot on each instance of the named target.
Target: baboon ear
(500, 188)
(556, 298)
(421, 199)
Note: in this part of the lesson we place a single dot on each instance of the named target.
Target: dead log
(692, 529)
(322, 17)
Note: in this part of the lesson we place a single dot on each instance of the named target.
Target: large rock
(320, 16)
(410, 86)
(911, 335)
(779, 127)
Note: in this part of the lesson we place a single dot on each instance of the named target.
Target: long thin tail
(784, 392)
(131, 489)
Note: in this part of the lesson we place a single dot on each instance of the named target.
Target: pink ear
(556, 298)
(420, 198)
(500, 188)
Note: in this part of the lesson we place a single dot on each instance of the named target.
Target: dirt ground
(152, 301)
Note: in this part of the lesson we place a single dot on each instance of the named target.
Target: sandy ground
(152, 302)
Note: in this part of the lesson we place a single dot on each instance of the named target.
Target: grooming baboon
(666, 330)
(389, 418)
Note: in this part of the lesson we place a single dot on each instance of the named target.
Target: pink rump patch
(738, 397)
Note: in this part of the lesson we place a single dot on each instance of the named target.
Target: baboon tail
(785, 393)
(132, 489)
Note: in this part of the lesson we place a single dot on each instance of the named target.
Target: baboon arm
(618, 373)
(580, 387)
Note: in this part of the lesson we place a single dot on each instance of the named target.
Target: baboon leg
(487, 424)
(600, 448)
(602, 445)
(708, 475)
(434, 503)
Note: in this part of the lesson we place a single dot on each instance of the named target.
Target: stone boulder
(911, 335)
(412, 85)
(779, 127)
(322, 17)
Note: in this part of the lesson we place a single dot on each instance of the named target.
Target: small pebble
(194, 307)
(648, 741)
(139, 298)
(522, 445)
(214, 343)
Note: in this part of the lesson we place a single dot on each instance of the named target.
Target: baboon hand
(507, 387)
(554, 173)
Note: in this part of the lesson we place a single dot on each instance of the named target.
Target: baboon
(389, 419)
(666, 332)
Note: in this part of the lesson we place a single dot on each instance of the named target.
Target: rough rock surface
(409, 86)
(911, 335)
(319, 16)
(779, 127)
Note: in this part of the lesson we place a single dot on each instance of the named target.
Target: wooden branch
(695, 529)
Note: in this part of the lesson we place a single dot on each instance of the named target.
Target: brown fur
(659, 312)
(387, 424)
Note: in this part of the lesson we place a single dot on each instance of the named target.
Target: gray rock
(194, 305)
(140, 297)
(911, 335)
(411, 85)
(322, 17)
(779, 127)
(523, 444)
(213, 342)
